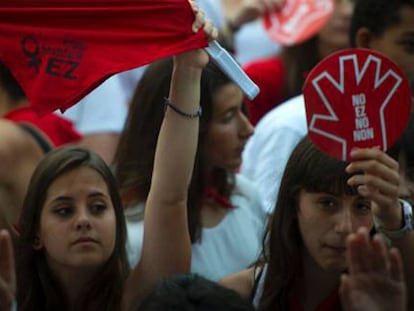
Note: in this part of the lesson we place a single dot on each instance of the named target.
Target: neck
(74, 282)
(327, 282)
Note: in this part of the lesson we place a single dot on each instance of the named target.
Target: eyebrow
(234, 107)
(64, 198)
(98, 194)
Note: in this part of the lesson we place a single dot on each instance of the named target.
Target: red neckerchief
(212, 193)
(331, 303)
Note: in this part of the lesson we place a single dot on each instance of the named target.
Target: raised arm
(380, 183)
(167, 247)
(7, 273)
(375, 281)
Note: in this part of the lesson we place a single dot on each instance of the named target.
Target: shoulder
(289, 116)
(249, 190)
(241, 282)
(244, 185)
(13, 138)
(17, 148)
(291, 109)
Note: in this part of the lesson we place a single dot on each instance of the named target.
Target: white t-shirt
(231, 246)
(252, 43)
(268, 150)
(104, 110)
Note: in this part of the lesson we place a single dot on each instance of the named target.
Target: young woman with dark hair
(322, 202)
(220, 202)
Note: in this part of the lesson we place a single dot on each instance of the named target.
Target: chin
(89, 262)
(236, 164)
(335, 266)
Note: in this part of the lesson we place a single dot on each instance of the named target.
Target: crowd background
(156, 191)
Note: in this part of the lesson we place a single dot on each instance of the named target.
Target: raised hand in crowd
(375, 280)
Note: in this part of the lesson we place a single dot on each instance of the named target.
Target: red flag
(60, 50)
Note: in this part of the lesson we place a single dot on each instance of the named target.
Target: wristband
(407, 227)
(168, 103)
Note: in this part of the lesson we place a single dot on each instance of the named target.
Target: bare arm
(19, 155)
(242, 282)
(167, 247)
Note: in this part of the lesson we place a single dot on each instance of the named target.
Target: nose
(345, 8)
(246, 129)
(343, 225)
(82, 220)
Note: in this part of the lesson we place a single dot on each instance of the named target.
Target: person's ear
(363, 38)
(37, 244)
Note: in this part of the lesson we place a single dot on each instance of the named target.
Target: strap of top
(40, 139)
(257, 291)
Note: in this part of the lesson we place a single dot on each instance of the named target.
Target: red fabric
(331, 303)
(58, 130)
(212, 193)
(269, 75)
(60, 50)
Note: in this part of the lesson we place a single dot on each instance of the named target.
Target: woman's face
(77, 222)
(228, 130)
(335, 34)
(325, 220)
(397, 42)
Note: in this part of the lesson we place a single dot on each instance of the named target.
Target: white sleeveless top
(231, 246)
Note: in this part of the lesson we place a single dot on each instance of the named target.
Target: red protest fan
(356, 98)
(60, 50)
(297, 21)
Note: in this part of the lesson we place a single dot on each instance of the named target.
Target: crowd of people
(185, 205)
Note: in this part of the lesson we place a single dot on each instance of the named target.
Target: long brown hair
(313, 171)
(298, 60)
(134, 158)
(38, 287)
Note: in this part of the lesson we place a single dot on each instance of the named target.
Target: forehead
(406, 20)
(226, 97)
(78, 179)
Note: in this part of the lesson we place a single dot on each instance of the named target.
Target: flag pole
(232, 69)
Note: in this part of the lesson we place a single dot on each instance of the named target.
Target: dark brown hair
(38, 288)
(10, 84)
(298, 60)
(134, 158)
(313, 171)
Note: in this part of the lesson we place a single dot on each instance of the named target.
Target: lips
(336, 249)
(85, 240)
(239, 150)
